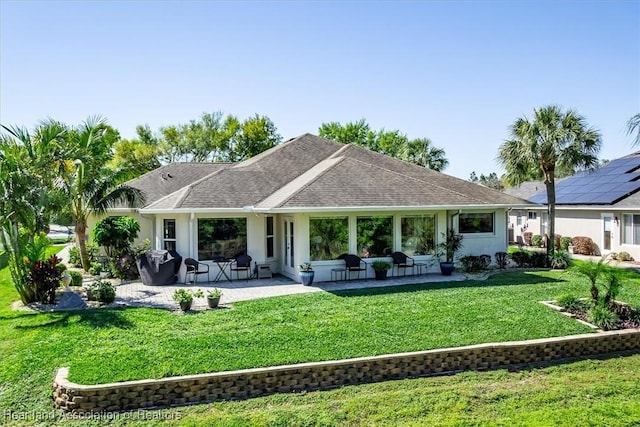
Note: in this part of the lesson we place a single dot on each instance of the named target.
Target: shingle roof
(312, 172)
(167, 179)
(526, 189)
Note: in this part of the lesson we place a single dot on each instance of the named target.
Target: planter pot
(446, 268)
(307, 277)
(213, 301)
(381, 274)
(185, 305)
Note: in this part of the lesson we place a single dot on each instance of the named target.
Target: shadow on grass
(502, 279)
(99, 318)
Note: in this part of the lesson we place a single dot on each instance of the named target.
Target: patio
(136, 294)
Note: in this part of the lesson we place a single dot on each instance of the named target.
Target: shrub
(521, 258)
(556, 241)
(95, 268)
(472, 263)
(624, 256)
(603, 318)
(103, 291)
(583, 246)
(501, 259)
(560, 259)
(45, 277)
(74, 256)
(565, 241)
(116, 234)
(571, 303)
(538, 259)
(527, 237)
(537, 241)
(76, 278)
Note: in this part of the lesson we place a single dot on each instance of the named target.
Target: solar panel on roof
(606, 185)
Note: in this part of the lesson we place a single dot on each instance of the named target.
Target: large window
(221, 237)
(476, 222)
(418, 234)
(328, 237)
(631, 229)
(169, 235)
(375, 236)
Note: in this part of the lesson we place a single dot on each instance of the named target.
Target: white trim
(253, 209)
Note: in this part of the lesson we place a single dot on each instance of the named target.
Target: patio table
(222, 264)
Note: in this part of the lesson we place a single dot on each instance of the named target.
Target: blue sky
(456, 72)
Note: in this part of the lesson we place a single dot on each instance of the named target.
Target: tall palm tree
(89, 185)
(633, 125)
(553, 139)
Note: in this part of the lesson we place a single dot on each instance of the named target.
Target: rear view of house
(311, 199)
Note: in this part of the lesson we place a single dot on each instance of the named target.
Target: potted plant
(306, 273)
(213, 297)
(380, 268)
(185, 298)
(448, 249)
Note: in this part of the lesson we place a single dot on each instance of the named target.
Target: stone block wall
(246, 383)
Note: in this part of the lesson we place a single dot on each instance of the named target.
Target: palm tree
(422, 152)
(88, 184)
(553, 139)
(633, 125)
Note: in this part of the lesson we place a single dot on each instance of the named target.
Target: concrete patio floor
(135, 294)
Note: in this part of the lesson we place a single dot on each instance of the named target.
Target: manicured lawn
(121, 344)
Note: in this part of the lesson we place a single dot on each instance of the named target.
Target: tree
(29, 163)
(491, 180)
(633, 125)
(552, 139)
(89, 185)
(423, 153)
(136, 156)
(419, 151)
(256, 134)
(217, 138)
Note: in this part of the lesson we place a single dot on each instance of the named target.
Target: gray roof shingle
(312, 172)
(167, 179)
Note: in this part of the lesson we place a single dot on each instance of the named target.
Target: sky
(457, 72)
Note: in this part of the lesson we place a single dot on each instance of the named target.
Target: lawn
(121, 344)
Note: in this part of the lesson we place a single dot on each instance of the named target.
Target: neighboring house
(311, 199)
(603, 204)
(532, 219)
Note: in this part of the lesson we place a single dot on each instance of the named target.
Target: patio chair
(242, 262)
(194, 269)
(401, 260)
(354, 263)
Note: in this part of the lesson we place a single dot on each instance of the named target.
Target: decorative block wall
(191, 389)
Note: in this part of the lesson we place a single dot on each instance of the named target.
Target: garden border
(247, 383)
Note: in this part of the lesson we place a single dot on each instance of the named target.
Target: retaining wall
(191, 389)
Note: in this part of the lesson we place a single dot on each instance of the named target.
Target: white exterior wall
(487, 243)
(583, 222)
(187, 239)
(476, 244)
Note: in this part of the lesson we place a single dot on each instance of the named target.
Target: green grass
(122, 344)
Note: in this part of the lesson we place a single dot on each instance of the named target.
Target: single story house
(310, 199)
(603, 204)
